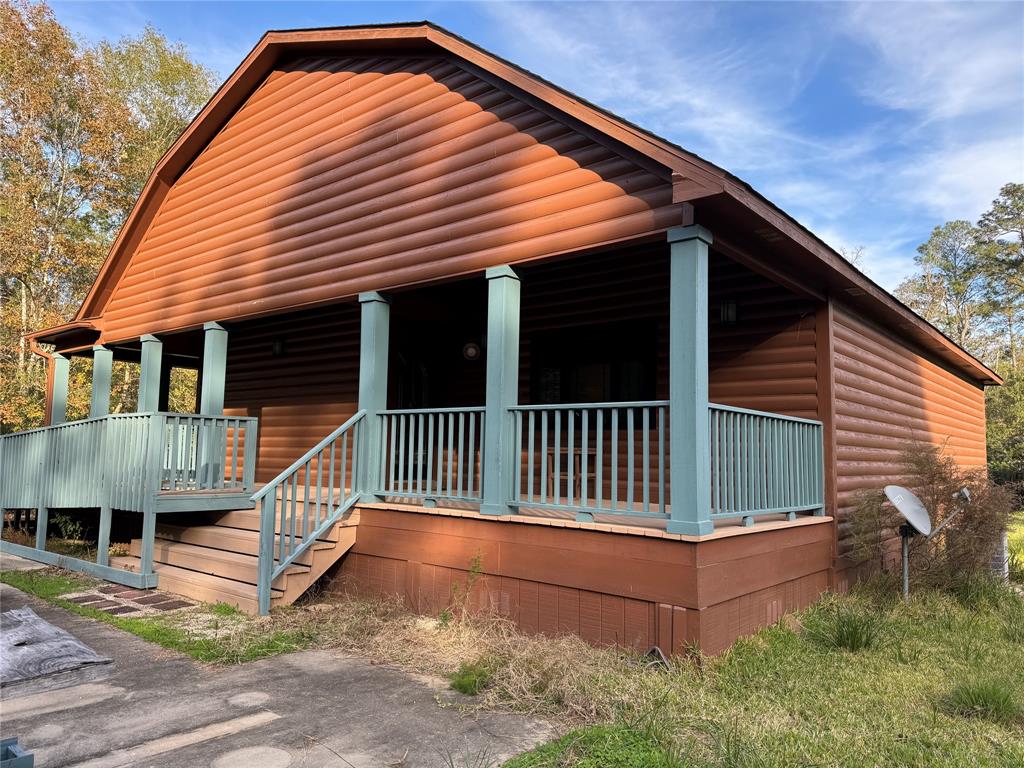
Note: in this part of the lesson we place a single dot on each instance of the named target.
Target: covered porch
(630, 389)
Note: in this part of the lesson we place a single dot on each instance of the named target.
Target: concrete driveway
(154, 707)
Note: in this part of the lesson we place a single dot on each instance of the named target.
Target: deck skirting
(630, 590)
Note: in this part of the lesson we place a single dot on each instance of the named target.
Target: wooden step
(200, 586)
(249, 520)
(216, 562)
(229, 539)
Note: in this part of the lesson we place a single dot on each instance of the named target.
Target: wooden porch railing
(125, 462)
(432, 453)
(764, 463)
(592, 458)
(305, 500)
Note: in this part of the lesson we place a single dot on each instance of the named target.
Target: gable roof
(692, 177)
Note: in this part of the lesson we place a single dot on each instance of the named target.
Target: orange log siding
(890, 397)
(341, 175)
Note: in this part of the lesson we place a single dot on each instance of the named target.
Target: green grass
(470, 679)
(941, 684)
(600, 746)
(176, 631)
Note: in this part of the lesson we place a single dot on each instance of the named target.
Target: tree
(80, 129)
(950, 290)
(1001, 231)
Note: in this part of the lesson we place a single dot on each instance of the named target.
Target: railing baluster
(662, 470)
(529, 457)
(556, 471)
(646, 427)
(471, 491)
(448, 478)
(599, 459)
(543, 456)
(517, 489)
(584, 417)
(570, 463)
(462, 451)
(615, 460)
(631, 459)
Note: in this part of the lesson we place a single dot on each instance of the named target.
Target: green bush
(987, 699)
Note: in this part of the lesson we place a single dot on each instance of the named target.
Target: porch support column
(689, 457)
(374, 330)
(59, 393)
(502, 390)
(149, 380)
(102, 367)
(215, 363)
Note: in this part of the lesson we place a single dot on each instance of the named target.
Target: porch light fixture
(471, 351)
(728, 313)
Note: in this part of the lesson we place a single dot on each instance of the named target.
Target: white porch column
(502, 390)
(689, 456)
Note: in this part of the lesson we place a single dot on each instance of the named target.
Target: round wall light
(471, 351)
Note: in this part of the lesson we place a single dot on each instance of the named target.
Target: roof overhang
(692, 177)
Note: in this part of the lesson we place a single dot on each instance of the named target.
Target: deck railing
(432, 453)
(124, 462)
(764, 463)
(207, 452)
(305, 500)
(592, 458)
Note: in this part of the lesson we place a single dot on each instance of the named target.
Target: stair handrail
(267, 498)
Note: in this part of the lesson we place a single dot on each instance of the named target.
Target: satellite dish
(918, 521)
(908, 505)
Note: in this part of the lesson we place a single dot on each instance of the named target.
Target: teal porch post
(102, 367)
(502, 390)
(149, 380)
(59, 397)
(215, 361)
(374, 330)
(689, 451)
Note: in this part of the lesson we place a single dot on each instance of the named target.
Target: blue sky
(869, 122)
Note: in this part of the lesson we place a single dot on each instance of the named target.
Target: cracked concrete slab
(313, 708)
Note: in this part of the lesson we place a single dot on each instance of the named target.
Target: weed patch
(989, 699)
(470, 679)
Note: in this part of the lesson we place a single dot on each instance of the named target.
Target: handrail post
(103, 535)
(264, 577)
(154, 471)
(502, 389)
(689, 432)
(373, 391)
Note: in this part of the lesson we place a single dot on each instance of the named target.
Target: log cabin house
(449, 317)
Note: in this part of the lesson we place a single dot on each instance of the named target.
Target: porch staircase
(216, 560)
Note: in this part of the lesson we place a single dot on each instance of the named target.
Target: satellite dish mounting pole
(906, 533)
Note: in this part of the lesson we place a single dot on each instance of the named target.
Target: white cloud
(943, 60)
